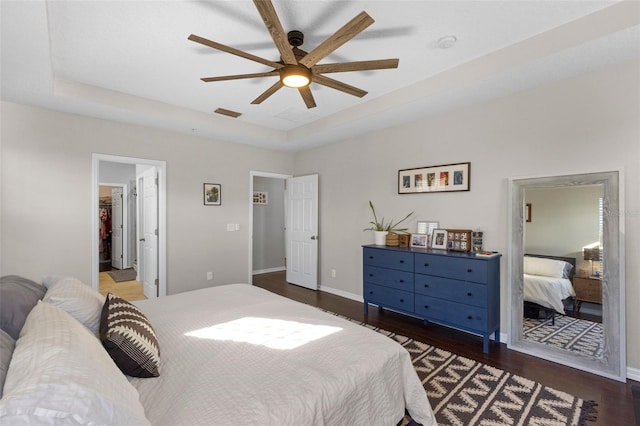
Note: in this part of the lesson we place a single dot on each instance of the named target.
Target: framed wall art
(212, 194)
(445, 178)
(439, 239)
(260, 197)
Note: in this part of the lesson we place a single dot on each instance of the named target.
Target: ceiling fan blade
(305, 92)
(337, 39)
(379, 64)
(270, 91)
(233, 51)
(272, 22)
(239, 76)
(338, 85)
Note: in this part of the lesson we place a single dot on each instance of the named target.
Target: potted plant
(382, 228)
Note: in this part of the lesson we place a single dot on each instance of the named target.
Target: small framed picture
(439, 239)
(419, 240)
(212, 193)
(260, 197)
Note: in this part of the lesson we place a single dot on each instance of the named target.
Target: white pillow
(60, 374)
(545, 267)
(76, 298)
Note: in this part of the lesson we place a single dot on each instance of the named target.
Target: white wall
(46, 195)
(589, 123)
(268, 226)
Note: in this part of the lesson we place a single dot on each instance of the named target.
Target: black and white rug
(464, 392)
(573, 334)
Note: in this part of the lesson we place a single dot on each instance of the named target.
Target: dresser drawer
(402, 261)
(457, 291)
(452, 313)
(388, 297)
(388, 277)
(452, 267)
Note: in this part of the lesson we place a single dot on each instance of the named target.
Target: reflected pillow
(545, 267)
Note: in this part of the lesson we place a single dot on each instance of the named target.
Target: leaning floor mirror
(566, 271)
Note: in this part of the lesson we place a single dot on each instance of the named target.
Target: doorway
(105, 169)
(266, 219)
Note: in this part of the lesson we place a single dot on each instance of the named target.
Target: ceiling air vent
(228, 112)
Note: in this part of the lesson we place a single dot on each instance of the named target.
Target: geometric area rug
(121, 275)
(465, 392)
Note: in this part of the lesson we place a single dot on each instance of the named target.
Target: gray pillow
(18, 296)
(7, 344)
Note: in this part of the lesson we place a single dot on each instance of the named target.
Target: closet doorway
(132, 244)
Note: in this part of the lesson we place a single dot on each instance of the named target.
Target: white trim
(253, 174)
(342, 293)
(266, 271)
(633, 374)
(162, 214)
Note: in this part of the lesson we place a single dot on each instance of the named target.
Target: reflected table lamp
(591, 254)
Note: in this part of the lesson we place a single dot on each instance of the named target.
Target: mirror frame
(612, 364)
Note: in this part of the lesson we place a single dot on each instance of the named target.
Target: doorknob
(315, 237)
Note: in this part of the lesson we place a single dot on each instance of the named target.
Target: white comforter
(547, 291)
(240, 355)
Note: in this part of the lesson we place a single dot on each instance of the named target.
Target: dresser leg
(496, 335)
(485, 344)
(366, 307)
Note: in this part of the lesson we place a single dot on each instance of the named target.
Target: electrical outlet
(333, 273)
(209, 276)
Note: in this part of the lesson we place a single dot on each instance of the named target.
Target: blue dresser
(455, 289)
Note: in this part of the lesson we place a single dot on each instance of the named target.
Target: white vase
(380, 237)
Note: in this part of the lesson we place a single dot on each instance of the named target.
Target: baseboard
(342, 293)
(633, 373)
(266, 271)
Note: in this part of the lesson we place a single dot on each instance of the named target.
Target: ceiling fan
(297, 68)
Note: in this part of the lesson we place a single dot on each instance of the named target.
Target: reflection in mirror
(562, 283)
(570, 220)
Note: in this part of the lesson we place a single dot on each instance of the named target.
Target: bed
(548, 281)
(233, 354)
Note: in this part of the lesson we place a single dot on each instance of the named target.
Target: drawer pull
(402, 261)
(426, 264)
(401, 281)
(469, 270)
(469, 317)
(370, 257)
(469, 294)
(426, 286)
(371, 292)
(426, 306)
(401, 300)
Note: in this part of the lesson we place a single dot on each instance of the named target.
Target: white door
(301, 221)
(149, 240)
(117, 239)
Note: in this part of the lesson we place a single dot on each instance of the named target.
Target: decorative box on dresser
(455, 289)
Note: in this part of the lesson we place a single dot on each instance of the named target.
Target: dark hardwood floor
(614, 399)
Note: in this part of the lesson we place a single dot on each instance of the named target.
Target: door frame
(162, 215)
(253, 174)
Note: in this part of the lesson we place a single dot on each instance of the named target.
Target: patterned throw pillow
(129, 339)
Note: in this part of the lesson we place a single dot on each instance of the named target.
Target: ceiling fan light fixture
(295, 76)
